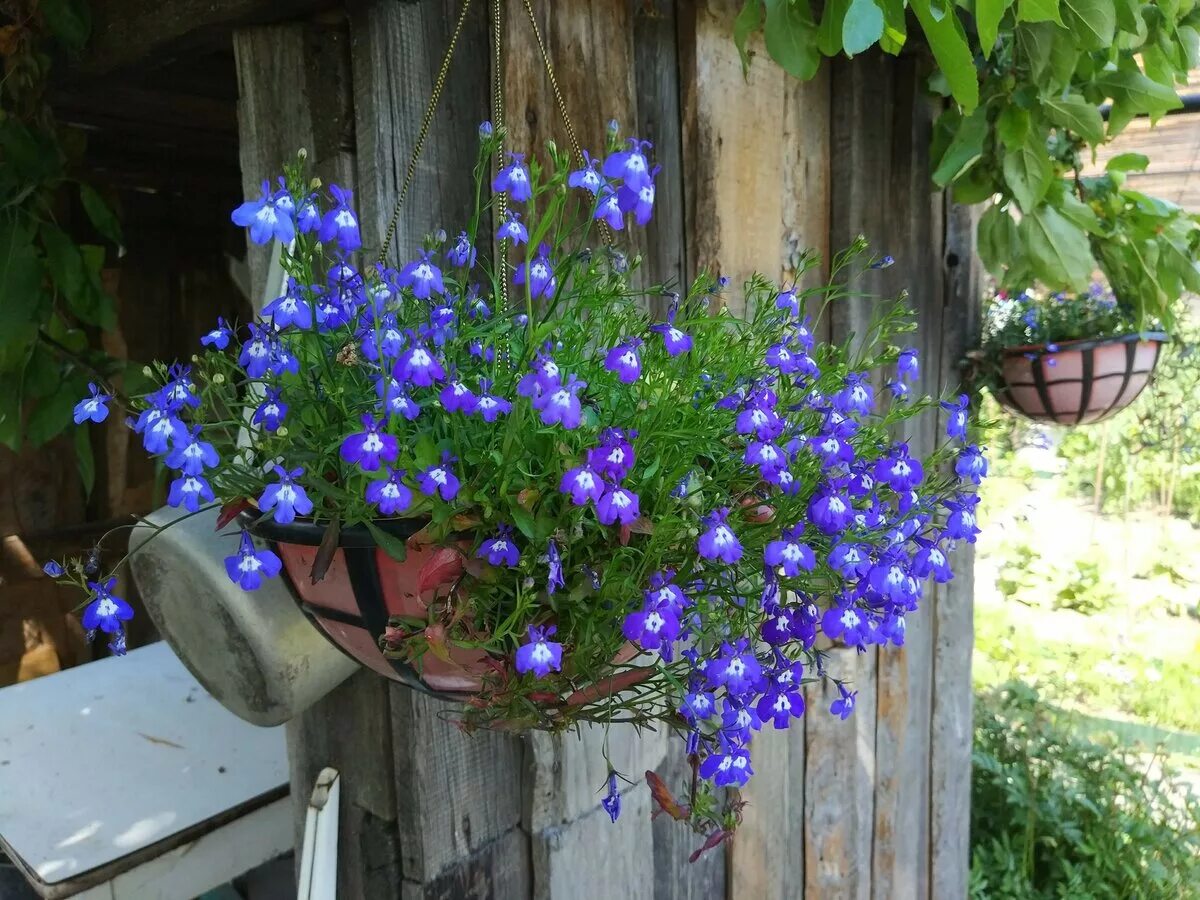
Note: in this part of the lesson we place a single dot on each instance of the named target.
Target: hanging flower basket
(1078, 382)
(490, 474)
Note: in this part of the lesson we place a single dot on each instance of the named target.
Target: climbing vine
(52, 302)
(1035, 86)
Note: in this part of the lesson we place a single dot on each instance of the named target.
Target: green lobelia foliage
(1035, 86)
(52, 301)
(1056, 814)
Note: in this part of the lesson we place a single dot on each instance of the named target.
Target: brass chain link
(576, 149)
(438, 84)
(498, 125)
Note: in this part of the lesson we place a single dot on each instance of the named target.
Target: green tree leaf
(1057, 248)
(1127, 162)
(1012, 126)
(895, 29)
(1076, 114)
(862, 27)
(1093, 21)
(1075, 210)
(68, 20)
(1027, 172)
(949, 45)
(964, 149)
(988, 14)
(389, 543)
(52, 414)
(1038, 11)
(1136, 92)
(748, 21)
(99, 213)
(791, 37)
(829, 32)
(997, 239)
(75, 279)
(21, 274)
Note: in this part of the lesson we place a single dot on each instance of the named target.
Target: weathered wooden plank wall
(755, 171)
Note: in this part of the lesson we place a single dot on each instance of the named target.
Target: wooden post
(757, 169)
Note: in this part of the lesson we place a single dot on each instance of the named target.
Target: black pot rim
(1160, 337)
(310, 534)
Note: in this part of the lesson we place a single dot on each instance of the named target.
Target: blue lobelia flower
(440, 479)
(539, 273)
(618, 505)
(890, 579)
(255, 357)
(845, 623)
(615, 456)
(908, 365)
(340, 223)
(781, 706)
(192, 456)
(738, 670)
(158, 426)
(290, 309)
(608, 210)
(612, 800)
(588, 178)
(971, 464)
(308, 216)
(462, 254)
(719, 541)
(792, 555)
(390, 495)
(898, 470)
(931, 560)
(961, 524)
(286, 497)
(554, 568)
(457, 397)
(653, 627)
(639, 201)
(267, 217)
(491, 406)
(500, 550)
(739, 721)
(395, 399)
(789, 301)
(956, 423)
(856, 395)
(514, 179)
(106, 611)
(369, 448)
(117, 645)
(831, 450)
(849, 560)
(697, 706)
(630, 165)
(423, 277)
(731, 768)
(561, 405)
(219, 336)
(540, 655)
(767, 456)
(829, 510)
(53, 569)
(675, 341)
(761, 421)
(625, 360)
(885, 262)
(93, 408)
(419, 366)
(385, 339)
(582, 483)
(188, 491)
(270, 413)
(485, 130)
(247, 567)
(843, 706)
(511, 229)
(898, 388)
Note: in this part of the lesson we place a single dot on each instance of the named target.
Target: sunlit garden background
(1087, 654)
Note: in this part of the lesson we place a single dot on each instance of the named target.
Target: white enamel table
(123, 779)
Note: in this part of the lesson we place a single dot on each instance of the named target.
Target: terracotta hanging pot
(1078, 382)
(364, 586)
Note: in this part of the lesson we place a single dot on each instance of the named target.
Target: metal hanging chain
(438, 84)
(605, 231)
(498, 125)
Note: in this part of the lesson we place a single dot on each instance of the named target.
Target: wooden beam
(151, 33)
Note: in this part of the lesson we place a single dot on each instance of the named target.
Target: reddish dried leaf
(231, 511)
(710, 842)
(642, 525)
(435, 637)
(662, 797)
(464, 521)
(760, 514)
(325, 553)
(528, 497)
(606, 687)
(442, 568)
(623, 535)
